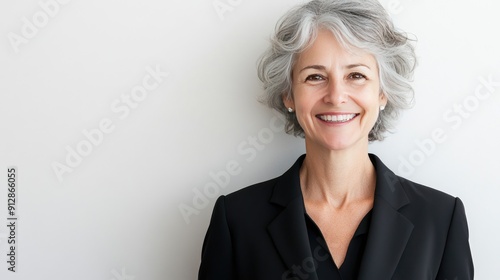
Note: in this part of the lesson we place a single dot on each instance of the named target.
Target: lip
(335, 116)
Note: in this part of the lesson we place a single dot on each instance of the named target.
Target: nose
(336, 93)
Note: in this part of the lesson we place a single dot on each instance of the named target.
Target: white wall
(116, 213)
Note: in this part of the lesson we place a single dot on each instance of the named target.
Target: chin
(338, 147)
(339, 143)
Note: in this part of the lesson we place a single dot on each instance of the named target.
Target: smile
(337, 118)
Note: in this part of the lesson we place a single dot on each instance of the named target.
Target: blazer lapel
(389, 230)
(288, 230)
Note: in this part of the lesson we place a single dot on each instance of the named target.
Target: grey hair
(363, 24)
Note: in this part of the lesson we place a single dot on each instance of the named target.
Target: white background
(116, 214)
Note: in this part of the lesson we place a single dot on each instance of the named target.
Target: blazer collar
(388, 234)
(388, 187)
(389, 229)
(287, 186)
(288, 230)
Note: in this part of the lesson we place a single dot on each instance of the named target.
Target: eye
(315, 78)
(357, 76)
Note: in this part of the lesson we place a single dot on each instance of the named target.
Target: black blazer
(259, 233)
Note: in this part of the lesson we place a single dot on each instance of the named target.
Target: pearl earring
(290, 110)
(382, 108)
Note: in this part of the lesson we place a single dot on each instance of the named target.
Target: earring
(382, 108)
(290, 110)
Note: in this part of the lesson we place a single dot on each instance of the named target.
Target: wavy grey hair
(362, 24)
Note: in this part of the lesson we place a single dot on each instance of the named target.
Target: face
(336, 94)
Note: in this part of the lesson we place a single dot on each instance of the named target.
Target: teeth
(337, 118)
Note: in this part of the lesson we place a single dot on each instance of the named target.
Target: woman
(340, 72)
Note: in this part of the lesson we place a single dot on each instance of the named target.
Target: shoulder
(424, 194)
(267, 194)
(400, 191)
(248, 210)
(252, 195)
(429, 204)
(416, 201)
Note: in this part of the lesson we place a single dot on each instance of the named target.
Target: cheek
(302, 103)
(303, 111)
(370, 97)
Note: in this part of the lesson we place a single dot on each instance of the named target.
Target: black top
(325, 266)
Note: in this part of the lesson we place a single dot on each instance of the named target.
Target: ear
(382, 99)
(288, 101)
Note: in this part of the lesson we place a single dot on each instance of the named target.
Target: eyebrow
(350, 66)
(321, 67)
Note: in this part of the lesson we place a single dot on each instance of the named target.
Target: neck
(337, 178)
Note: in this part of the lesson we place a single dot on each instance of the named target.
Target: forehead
(326, 49)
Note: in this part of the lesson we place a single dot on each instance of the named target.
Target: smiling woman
(394, 54)
(325, 77)
(340, 72)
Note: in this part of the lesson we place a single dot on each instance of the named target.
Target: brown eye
(314, 78)
(357, 76)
